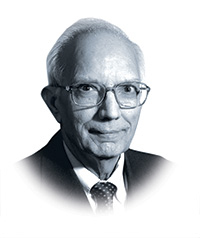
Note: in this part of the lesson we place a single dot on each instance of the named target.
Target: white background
(168, 32)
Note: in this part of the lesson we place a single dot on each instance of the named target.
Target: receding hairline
(80, 28)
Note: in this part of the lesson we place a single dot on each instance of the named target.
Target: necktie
(103, 193)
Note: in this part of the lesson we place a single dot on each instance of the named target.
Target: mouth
(107, 134)
(102, 131)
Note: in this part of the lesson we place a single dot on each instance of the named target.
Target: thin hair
(55, 64)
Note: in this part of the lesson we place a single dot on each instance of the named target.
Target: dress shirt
(88, 179)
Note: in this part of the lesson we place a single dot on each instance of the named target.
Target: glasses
(128, 95)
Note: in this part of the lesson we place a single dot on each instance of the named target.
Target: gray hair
(55, 66)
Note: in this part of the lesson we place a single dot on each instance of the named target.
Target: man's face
(106, 130)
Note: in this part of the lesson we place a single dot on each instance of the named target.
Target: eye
(129, 88)
(85, 87)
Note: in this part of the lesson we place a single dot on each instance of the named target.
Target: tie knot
(103, 193)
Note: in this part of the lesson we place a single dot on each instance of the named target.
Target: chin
(108, 150)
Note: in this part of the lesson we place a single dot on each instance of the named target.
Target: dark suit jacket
(52, 169)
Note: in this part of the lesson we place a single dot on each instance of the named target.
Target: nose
(109, 109)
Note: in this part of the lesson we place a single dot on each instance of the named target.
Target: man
(96, 94)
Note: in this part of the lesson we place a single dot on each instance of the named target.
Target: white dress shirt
(88, 179)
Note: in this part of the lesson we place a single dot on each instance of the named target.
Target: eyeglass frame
(69, 88)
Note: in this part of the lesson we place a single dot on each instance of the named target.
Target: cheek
(74, 122)
(79, 127)
(132, 117)
(80, 132)
(80, 118)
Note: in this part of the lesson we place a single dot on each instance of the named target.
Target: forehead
(103, 57)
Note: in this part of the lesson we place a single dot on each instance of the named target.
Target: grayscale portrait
(95, 91)
(100, 119)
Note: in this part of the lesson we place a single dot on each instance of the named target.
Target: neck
(101, 167)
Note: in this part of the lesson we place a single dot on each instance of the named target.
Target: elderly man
(96, 94)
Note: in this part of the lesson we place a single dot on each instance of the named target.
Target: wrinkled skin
(98, 135)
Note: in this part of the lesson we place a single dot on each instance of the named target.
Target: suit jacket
(53, 171)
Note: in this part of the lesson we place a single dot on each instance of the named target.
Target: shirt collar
(88, 179)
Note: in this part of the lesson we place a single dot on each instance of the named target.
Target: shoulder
(49, 166)
(144, 164)
(145, 158)
(51, 157)
(54, 146)
(35, 160)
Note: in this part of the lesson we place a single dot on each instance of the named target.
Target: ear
(49, 96)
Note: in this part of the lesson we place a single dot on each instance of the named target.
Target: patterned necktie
(103, 193)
